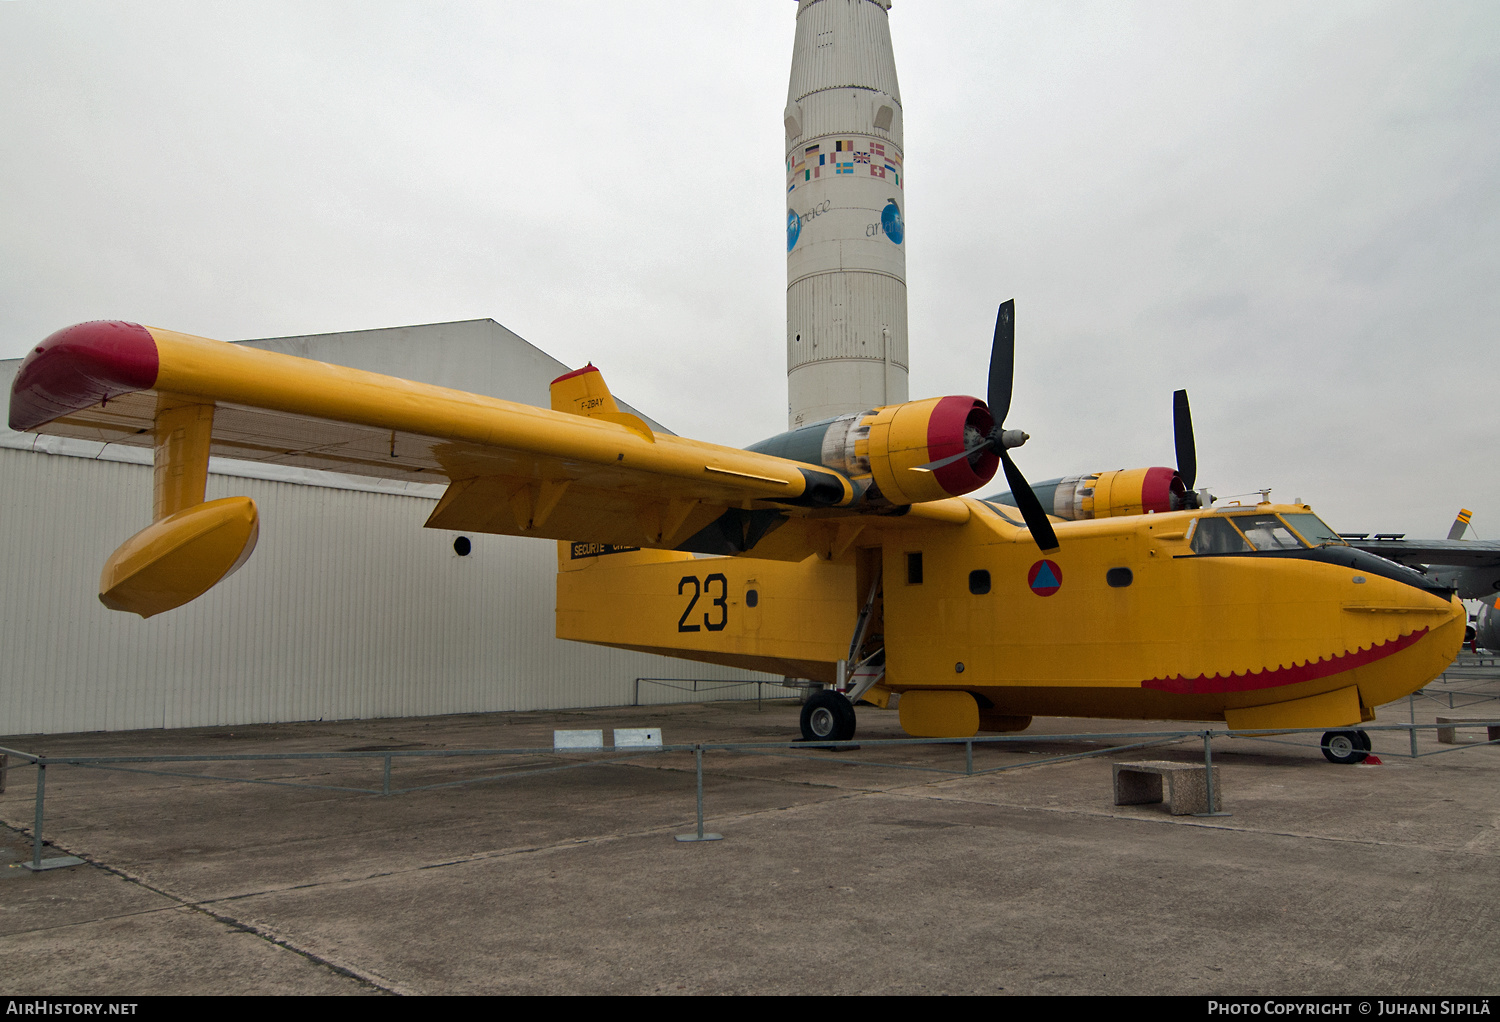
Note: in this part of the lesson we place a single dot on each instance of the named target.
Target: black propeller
(1182, 433)
(1187, 450)
(1000, 439)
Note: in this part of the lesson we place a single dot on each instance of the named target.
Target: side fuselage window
(914, 568)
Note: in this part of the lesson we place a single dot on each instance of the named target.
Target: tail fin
(584, 392)
(1460, 524)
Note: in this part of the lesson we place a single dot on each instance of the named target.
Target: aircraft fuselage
(1127, 620)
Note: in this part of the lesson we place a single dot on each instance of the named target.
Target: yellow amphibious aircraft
(842, 552)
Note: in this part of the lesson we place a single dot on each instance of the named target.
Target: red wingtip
(78, 367)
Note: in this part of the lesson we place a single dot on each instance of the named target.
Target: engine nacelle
(1125, 491)
(880, 450)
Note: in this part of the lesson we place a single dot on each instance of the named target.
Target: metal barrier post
(969, 758)
(699, 836)
(36, 823)
(1208, 776)
(1412, 702)
(37, 863)
(385, 786)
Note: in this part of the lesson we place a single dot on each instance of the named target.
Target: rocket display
(845, 226)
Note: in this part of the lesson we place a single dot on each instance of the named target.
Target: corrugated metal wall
(347, 609)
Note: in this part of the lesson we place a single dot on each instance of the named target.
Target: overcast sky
(1291, 209)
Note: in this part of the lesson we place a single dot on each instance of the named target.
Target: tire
(1348, 747)
(827, 716)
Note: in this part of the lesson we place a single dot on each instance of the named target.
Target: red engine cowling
(1131, 491)
(885, 447)
(904, 437)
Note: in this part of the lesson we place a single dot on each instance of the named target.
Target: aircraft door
(867, 577)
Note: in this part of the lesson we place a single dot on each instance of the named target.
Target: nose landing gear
(1345, 746)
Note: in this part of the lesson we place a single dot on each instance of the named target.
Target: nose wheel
(1346, 746)
(827, 716)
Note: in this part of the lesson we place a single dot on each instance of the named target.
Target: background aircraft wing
(1467, 553)
(1471, 566)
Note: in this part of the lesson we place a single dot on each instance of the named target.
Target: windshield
(1312, 529)
(1266, 532)
(1217, 536)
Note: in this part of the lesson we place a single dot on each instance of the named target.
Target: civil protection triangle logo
(1045, 578)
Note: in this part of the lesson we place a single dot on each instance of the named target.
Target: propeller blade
(1182, 432)
(933, 466)
(1002, 363)
(1030, 507)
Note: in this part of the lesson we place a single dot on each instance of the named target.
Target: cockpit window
(1312, 530)
(1216, 536)
(1266, 532)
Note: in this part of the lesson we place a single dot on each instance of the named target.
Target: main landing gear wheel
(827, 716)
(1346, 746)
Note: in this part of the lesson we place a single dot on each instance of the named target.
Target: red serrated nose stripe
(78, 367)
(1278, 676)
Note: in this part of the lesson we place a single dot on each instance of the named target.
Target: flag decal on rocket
(864, 157)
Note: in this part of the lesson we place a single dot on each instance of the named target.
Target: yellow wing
(582, 471)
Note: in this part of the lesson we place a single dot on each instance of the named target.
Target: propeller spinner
(1000, 439)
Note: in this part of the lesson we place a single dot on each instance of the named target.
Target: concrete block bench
(1186, 786)
(1446, 735)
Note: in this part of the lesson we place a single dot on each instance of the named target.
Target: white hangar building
(348, 608)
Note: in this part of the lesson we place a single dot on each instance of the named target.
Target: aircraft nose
(1364, 562)
(1432, 630)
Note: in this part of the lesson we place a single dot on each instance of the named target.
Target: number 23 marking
(700, 589)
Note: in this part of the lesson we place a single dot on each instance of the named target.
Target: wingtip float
(179, 558)
(191, 545)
